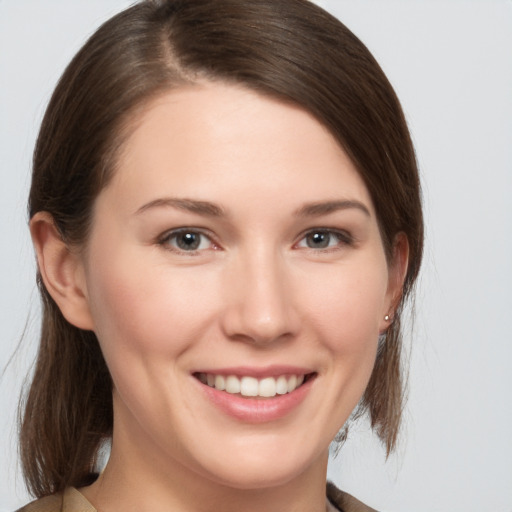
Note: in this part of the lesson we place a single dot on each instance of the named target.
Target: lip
(255, 409)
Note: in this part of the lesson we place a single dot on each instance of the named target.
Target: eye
(186, 240)
(324, 239)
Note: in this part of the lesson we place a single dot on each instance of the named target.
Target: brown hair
(289, 49)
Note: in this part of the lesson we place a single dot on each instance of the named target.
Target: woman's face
(235, 246)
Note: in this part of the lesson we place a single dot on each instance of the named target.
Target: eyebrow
(206, 208)
(326, 207)
(190, 205)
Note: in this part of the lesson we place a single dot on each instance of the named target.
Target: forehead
(204, 139)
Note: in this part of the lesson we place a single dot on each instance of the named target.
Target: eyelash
(165, 240)
(343, 239)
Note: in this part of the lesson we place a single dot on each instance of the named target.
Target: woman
(226, 213)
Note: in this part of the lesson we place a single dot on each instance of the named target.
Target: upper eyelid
(176, 231)
(336, 231)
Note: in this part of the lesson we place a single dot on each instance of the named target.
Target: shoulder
(69, 501)
(345, 502)
(47, 504)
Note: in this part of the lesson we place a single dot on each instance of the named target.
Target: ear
(61, 270)
(396, 277)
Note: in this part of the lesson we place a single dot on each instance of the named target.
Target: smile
(247, 386)
(256, 395)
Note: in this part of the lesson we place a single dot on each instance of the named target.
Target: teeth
(250, 386)
(267, 387)
(233, 384)
(292, 383)
(220, 382)
(282, 385)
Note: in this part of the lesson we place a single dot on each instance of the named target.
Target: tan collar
(70, 501)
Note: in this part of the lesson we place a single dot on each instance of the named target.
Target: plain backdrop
(451, 64)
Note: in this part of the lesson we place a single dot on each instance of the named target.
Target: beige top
(73, 501)
(70, 501)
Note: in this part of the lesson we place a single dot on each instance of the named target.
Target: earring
(387, 318)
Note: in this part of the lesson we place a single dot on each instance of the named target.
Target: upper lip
(257, 372)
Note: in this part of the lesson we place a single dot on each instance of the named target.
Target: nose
(259, 298)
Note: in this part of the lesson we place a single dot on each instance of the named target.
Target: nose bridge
(261, 307)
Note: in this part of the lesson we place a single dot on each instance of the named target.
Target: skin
(257, 292)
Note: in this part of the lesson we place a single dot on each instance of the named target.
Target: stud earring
(387, 318)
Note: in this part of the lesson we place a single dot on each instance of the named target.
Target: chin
(254, 479)
(253, 470)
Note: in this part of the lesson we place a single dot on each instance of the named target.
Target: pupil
(188, 241)
(318, 240)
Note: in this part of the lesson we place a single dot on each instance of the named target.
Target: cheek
(144, 310)
(347, 309)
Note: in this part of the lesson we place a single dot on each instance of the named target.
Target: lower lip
(257, 410)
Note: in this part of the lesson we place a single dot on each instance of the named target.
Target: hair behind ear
(68, 413)
(384, 396)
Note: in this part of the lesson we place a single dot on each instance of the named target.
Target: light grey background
(451, 64)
